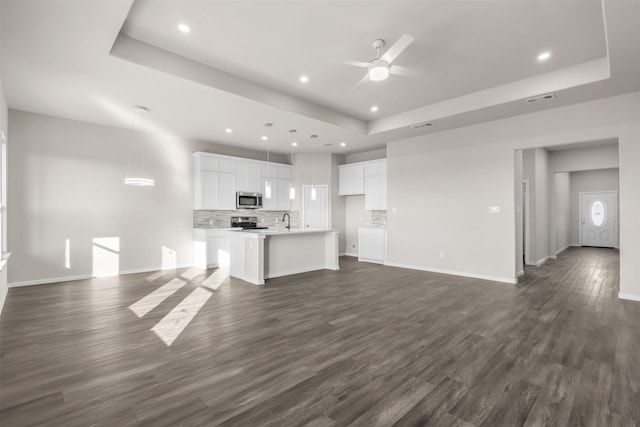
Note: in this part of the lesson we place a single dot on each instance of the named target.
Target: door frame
(303, 218)
(615, 216)
(526, 218)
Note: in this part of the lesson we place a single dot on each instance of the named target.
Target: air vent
(422, 125)
(540, 98)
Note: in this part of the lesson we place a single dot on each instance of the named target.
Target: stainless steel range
(246, 222)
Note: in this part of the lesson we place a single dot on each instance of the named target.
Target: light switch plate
(494, 209)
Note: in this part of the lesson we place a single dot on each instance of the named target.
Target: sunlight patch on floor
(172, 325)
(215, 280)
(191, 273)
(151, 301)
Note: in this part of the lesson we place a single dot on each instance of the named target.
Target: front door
(598, 216)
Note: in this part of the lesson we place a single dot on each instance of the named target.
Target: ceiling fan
(379, 68)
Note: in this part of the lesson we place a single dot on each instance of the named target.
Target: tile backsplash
(378, 217)
(222, 219)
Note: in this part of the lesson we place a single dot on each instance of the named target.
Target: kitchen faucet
(288, 220)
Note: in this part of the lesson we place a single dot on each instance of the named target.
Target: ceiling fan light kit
(380, 68)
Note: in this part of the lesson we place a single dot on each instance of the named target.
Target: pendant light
(133, 178)
(292, 186)
(267, 181)
(313, 176)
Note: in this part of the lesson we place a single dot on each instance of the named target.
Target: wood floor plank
(365, 345)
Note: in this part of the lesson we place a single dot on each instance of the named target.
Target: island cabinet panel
(210, 248)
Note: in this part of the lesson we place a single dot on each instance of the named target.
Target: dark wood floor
(367, 345)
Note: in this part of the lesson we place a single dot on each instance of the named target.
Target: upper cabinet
(248, 177)
(368, 178)
(217, 178)
(351, 179)
(214, 182)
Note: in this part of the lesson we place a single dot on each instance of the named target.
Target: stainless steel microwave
(248, 200)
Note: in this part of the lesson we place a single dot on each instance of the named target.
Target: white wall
(447, 180)
(562, 214)
(4, 125)
(592, 180)
(66, 182)
(519, 211)
(541, 234)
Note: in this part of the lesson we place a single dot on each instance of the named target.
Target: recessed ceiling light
(374, 109)
(343, 144)
(184, 28)
(228, 130)
(264, 138)
(544, 56)
(304, 79)
(295, 144)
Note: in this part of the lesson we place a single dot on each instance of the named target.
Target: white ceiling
(239, 66)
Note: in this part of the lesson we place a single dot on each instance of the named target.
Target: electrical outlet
(441, 255)
(210, 222)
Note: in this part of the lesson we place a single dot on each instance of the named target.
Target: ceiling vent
(422, 125)
(540, 98)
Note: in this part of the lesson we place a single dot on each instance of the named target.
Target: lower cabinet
(210, 248)
(372, 244)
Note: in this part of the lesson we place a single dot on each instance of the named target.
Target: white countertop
(285, 232)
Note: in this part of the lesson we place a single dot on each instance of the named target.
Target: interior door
(598, 216)
(315, 212)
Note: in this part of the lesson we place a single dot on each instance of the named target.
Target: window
(597, 213)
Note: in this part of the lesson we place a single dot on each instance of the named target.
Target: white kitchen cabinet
(268, 170)
(283, 172)
(211, 248)
(218, 177)
(283, 202)
(269, 204)
(375, 185)
(351, 179)
(248, 177)
(214, 182)
(372, 244)
(215, 190)
(375, 197)
(279, 177)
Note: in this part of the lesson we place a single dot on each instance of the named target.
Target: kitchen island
(257, 255)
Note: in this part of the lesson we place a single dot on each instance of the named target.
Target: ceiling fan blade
(404, 71)
(396, 49)
(352, 63)
(362, 80)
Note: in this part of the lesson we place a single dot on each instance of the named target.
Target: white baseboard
(296, 271)
(520, 273)
(575, 245)
(512, 281)
(50, 280)
(88, 276)
(539, 262)
(354, 254)
(559, 251)
(630, 297)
